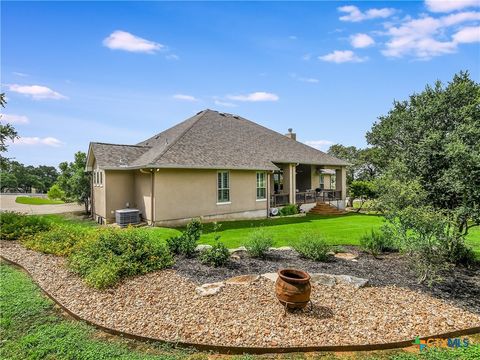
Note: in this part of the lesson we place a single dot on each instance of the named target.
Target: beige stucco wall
(188, 193)
(98, 197)
(142, 194)
(119, 189)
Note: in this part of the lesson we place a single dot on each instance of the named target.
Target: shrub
(289, 209)
(218, 255)
(376, 242)
(16, 226)
(258, 243)
(186, 243)
(60, 240)
(55, 193)
(114, 254)
(312, 246)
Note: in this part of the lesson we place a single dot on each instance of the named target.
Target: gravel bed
(164, 305)
(460, 287)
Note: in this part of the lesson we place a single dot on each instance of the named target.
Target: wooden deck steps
(325, 209)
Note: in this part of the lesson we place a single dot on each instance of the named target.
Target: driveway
(7, 203)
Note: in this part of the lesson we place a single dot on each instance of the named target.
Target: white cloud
(450, 5)
(122, 40)
(342, 56)
(47, 141)
(172, 57)
(426, 37)
(361, 40)
(14, 119)
(185, 97)
(319, 144)
(467, 35)
(254, 97)
(224, 103)
(292, 37)
(20, 74)
(355, 15)
(38, 92)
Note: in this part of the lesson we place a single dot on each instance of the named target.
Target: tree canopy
(7, 132)
(434, 138)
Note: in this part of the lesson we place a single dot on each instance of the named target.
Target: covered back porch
(308, 184)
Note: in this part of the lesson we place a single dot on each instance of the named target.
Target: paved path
(7, 203)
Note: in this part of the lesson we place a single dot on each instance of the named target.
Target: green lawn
(337, 230)
(32, 328)
(36, 201)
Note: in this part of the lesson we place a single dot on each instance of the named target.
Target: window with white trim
(322, 182)
(261, 185)
(101, 178)
(223, 186)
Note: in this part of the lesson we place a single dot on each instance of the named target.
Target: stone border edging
(222, 349)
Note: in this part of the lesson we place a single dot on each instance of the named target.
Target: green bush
(60, 240)
(55, 193)
(114, 254)
(217, 256)
(290, 209)
(16, 226)
(376, 242)
(312, 246)
(258, 243)
(186, 243)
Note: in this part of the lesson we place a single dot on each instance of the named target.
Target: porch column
(292, 173)
(341, 181)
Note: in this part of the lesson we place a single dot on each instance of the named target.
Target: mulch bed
(165, 305)
(460, 285)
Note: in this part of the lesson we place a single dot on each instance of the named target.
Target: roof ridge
(182, 134)
(104, 143)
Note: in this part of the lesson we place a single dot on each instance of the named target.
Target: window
(333, 181)
(101, 178)
(322, 182)
(261, 186)
(278, 181)
(97, 178)
(223, 186)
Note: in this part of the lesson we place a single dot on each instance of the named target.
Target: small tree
(362, 190)
(74, 181)
(55, 193)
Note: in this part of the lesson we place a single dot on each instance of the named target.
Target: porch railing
(306, 197)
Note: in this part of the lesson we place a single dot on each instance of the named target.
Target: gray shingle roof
(212, 140)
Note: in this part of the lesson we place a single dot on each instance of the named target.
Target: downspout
(268, 194)
(92, 199)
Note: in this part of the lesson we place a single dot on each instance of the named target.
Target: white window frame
(101, 177)
(221, 187)
(259, 175)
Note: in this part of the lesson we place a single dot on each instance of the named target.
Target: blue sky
(121, 71)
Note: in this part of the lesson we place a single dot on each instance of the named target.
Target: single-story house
(214, 166)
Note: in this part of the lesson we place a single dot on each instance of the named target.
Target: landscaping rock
(243, 279)
(203, 247)
(281, 248)
(270, 276)
(346, 256)
(236, 250)
(352, 280)
(323, 279)
(209, 289)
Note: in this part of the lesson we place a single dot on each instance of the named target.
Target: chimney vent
(291, 134)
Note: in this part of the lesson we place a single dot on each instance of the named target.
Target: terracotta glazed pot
(293, 288)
